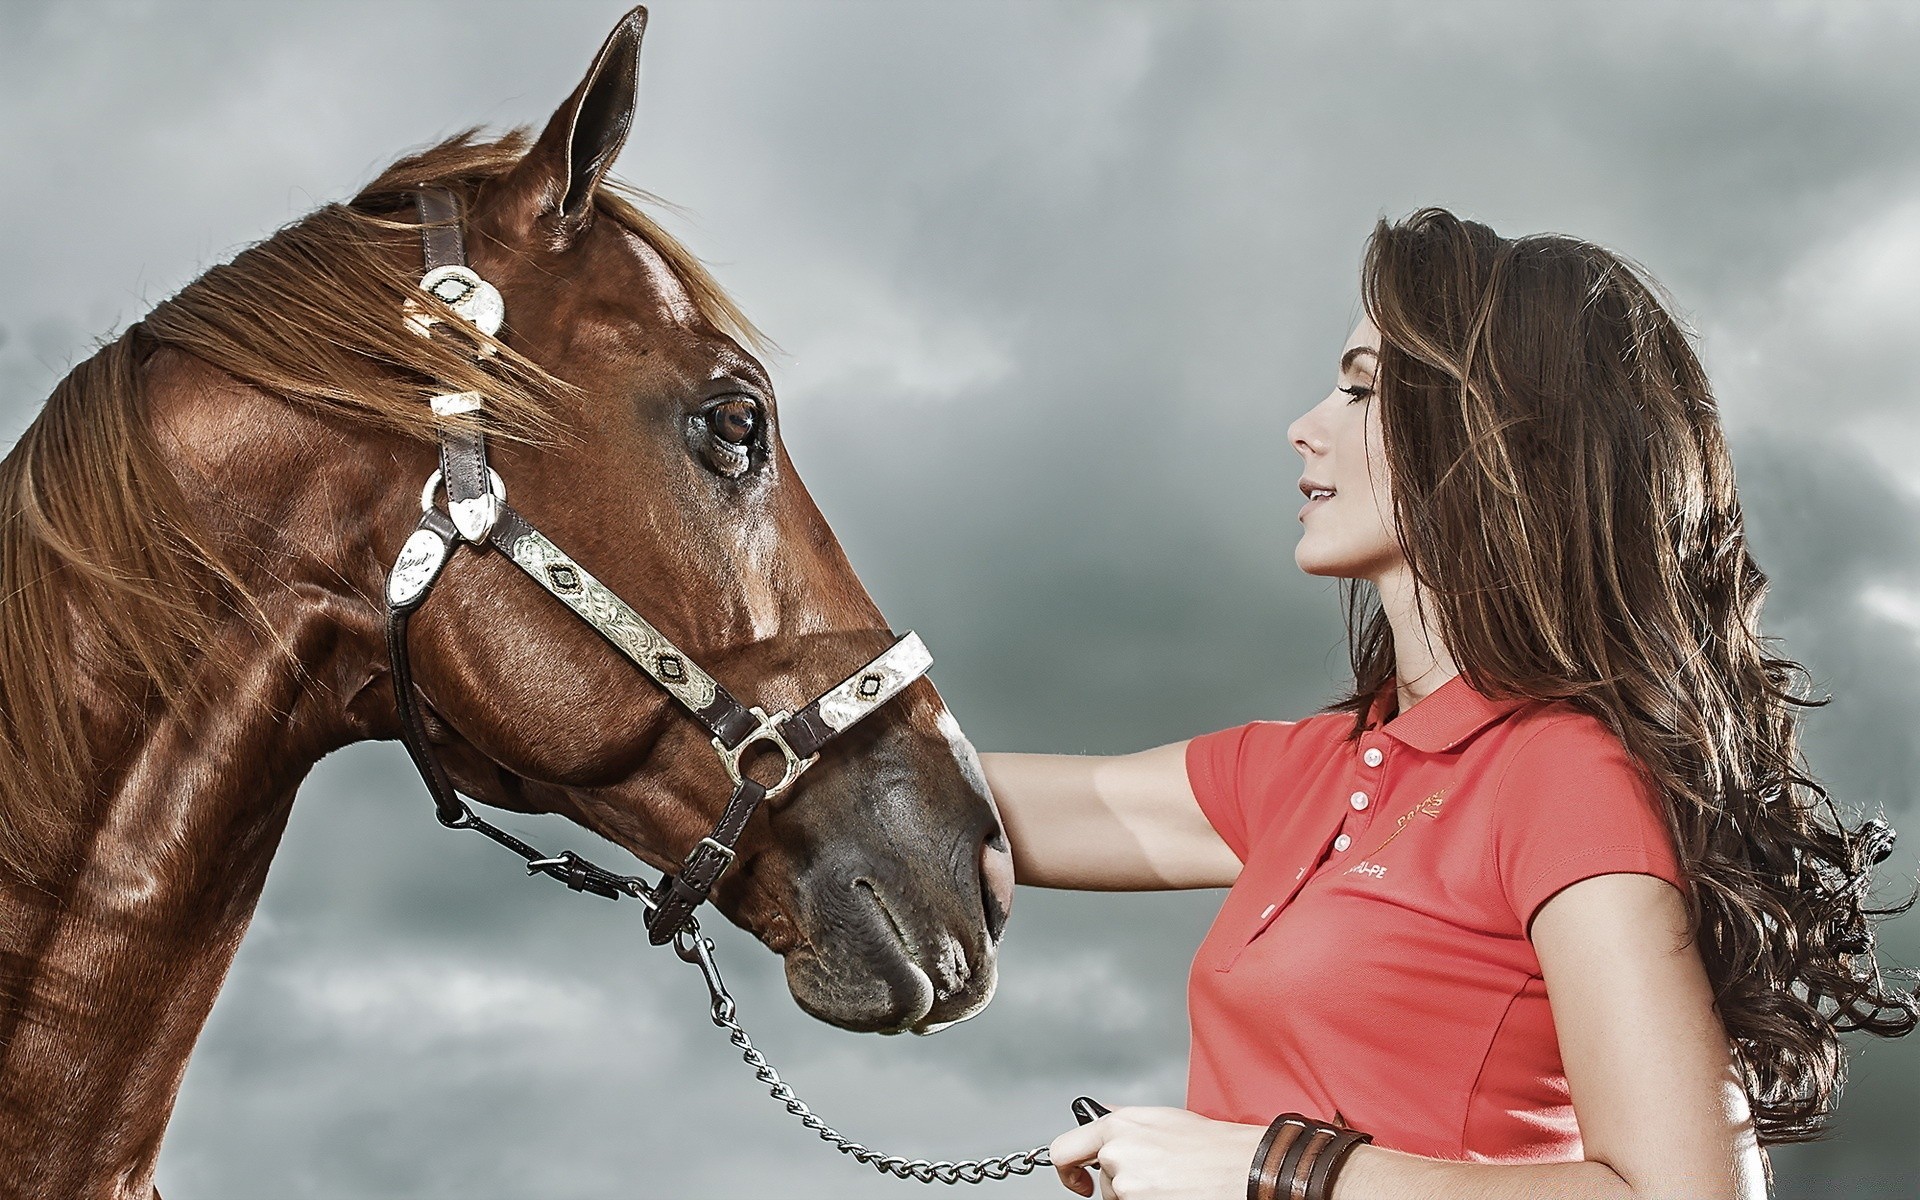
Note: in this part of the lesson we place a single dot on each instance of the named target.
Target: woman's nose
(1304, 435)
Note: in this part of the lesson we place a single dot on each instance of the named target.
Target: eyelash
(1358, 392)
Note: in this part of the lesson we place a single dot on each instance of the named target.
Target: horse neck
(108, 972)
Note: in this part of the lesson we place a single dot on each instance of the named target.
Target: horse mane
(107, 585)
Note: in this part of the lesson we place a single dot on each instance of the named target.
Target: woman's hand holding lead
(1158, 1154)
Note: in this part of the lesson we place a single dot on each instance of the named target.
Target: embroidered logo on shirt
(1430, 807)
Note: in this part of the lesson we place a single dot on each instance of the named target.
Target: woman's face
(1349, 534)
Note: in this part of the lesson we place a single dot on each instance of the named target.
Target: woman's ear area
(550, 193)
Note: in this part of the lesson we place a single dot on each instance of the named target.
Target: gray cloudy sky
(1051, 280)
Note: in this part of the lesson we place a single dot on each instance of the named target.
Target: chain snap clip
(698, 950)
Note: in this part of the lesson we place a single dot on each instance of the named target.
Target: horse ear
(555, 183)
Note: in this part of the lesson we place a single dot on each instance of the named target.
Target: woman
(1546, 905)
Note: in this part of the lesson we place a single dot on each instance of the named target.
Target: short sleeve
(1239, 774)
(1572, 805)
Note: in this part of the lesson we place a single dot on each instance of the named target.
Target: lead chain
(698, 950)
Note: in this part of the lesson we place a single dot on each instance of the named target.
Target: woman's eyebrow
(1347, 360)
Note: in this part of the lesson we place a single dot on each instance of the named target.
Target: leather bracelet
(1261, 1182)
(1299, 1158)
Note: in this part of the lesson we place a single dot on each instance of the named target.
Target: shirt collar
(1451, 713)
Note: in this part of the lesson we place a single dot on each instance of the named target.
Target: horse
(195, 607)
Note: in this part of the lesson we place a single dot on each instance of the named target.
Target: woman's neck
(1422, 659)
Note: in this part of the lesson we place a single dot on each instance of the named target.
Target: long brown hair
(108, 591)
(1565, 501)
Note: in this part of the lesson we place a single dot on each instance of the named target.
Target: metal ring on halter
(767, 731)
(499, 487)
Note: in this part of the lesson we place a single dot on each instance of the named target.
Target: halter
(477, 515)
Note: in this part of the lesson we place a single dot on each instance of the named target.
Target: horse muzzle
(903, 936)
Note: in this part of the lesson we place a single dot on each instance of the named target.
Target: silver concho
(878, 682)
(614, 619)
(471, 298)
(475, 518)
(419, 562)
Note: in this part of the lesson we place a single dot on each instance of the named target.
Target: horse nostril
(996, 882)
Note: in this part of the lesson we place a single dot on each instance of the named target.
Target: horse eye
(734, 421)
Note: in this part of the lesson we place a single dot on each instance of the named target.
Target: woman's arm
(1661, 1109)
(1123, 823)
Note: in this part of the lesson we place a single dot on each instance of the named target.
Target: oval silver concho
(419, 563)
(471, 298)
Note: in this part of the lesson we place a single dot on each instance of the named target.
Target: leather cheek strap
(441, 242)
(421, 561)
(687, 889)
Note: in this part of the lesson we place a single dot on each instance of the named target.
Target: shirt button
(1373, 756)
(1342, 842)
(1358, 800)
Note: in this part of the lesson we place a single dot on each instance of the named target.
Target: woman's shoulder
(1571, 802)
(1244, 775)
(1323, 725)
(1274, 738)
(1559, 738)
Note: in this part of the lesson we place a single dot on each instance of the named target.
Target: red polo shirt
(1371, 963)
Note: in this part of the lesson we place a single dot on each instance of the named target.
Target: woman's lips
(1313, 504)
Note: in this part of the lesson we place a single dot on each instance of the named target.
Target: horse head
(883, 876)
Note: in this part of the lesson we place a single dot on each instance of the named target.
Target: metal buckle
(498, 490)
(474, 518)
(767, 731)
(725, 852)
